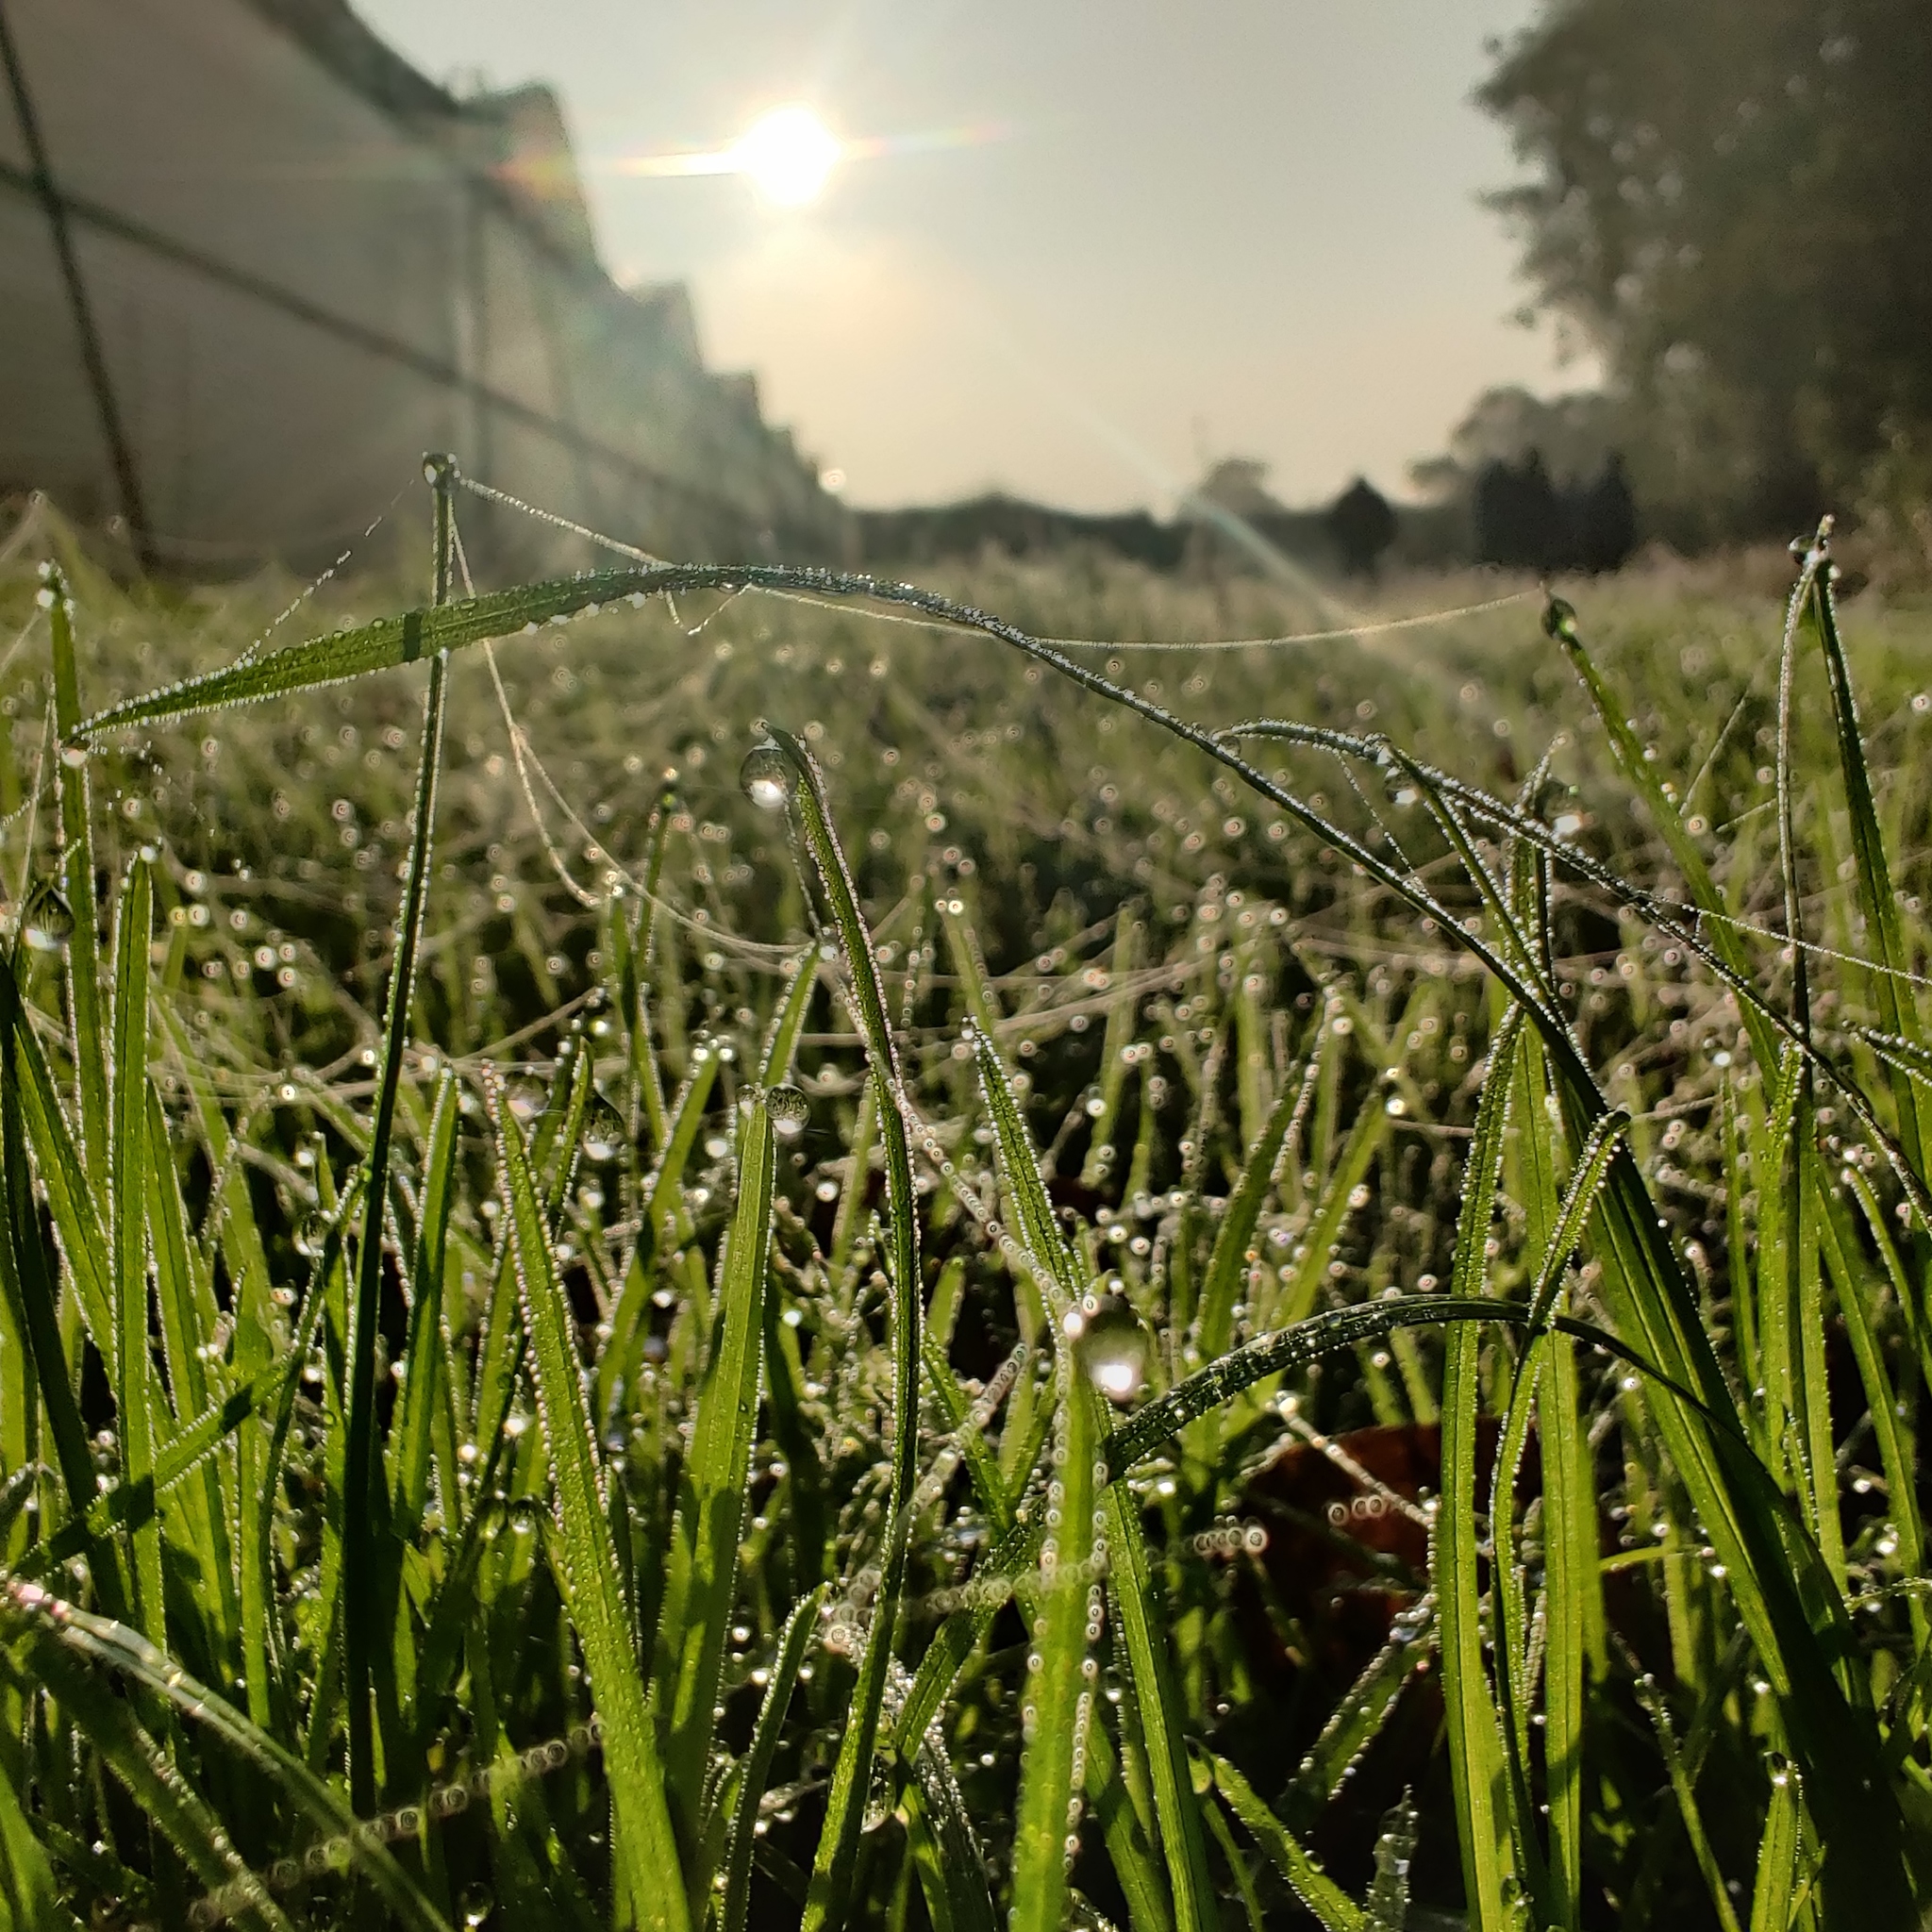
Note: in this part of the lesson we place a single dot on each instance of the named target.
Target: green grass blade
(1778, 1854)
(1057, 1698)
(127, 1749)
(130, 1505)
(70, 1192)
(29, 1284)
(649, 1884)
(754, 1770)
(366, 1598)
(963, 1631)
(663, 1223)
(77, 882)
(789, 1022)
(1898, 1012)
(1840, 1244)
(1688, 1808)
(1227, 1264)
(702, 1570)
(825, 1907)
(1134, 1593)
(1331, 1907)
(1139, 1616)
(1286, 1348)
(134, 1389)
(1644, 777)
(1293, 1302)
(427, 1391)
(1475, 1745)
(1237, 1868)
(28, 1900)
(1357, 1719)
(60, 1635)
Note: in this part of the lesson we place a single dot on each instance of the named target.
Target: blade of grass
(1134, 1593)
(367, 1606)
(1327, 1901)
(77, 882)
(662, 1223)
(60, 1636)
(1058, 1701)
(29, 1286)
(130, 1752)
(832, 1867)
(1229, 1264)
(27, 1885)
(1357, 1719)
(428, 1419)
(754, 1770)
(127, 1217)
(702, 1571)
(62, 1175)
(1777, 1854)
(649, 1882)
(1475, 1746)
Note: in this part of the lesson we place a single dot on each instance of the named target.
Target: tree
(1362, 526)
(1732, 200)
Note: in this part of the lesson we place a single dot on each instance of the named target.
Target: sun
(787, 155)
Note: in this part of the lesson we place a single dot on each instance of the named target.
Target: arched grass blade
(1150, 1425)
(62, 1639)
(132, 1754)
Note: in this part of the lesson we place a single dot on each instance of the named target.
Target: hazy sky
(1105, 239)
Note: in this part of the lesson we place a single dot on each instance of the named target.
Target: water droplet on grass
(605, 1135)
(1112, 1349)
(768, 778)
(789, 1111)
(478, 1903)
(47, 920)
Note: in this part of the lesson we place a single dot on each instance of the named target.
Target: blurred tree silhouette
(1362, 526)
(1732, 200)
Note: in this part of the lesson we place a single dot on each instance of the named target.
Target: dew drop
(47, 920)
(768, 778)
(1112, 1348)
(604, 1136)
(789, 1111)
(478, 1903)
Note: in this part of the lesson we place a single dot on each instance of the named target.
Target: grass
(1057, 1315)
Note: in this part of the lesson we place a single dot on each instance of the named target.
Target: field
(881, 1290)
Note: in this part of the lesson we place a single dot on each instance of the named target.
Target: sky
(1089, 245)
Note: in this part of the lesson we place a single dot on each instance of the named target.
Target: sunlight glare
(787, 155)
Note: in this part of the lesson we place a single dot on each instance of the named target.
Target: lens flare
(788, 155)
